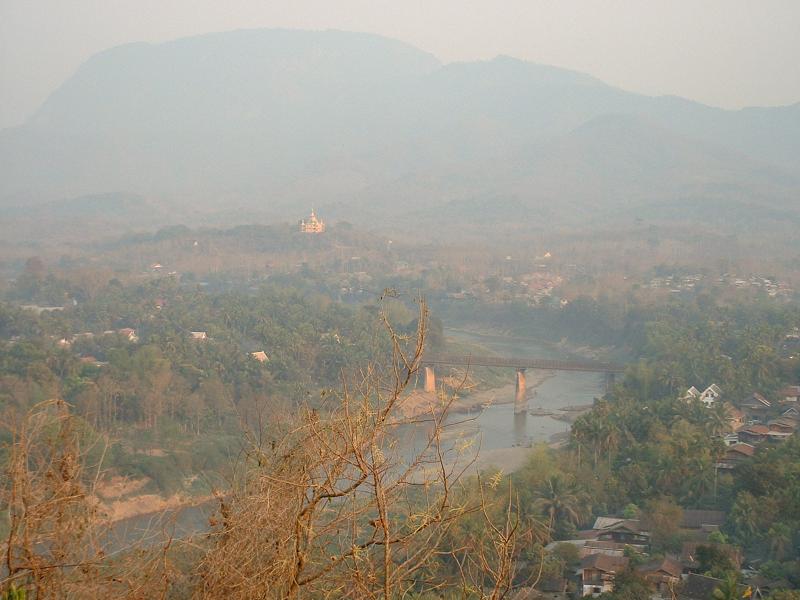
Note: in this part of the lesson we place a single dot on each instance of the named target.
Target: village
(616, 544)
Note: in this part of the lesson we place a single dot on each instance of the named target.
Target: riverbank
(122, 498)
(419, 402)
(505, 435)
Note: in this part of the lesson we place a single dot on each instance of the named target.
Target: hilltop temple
(312, 225)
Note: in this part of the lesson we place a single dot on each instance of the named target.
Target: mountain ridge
(290, 117)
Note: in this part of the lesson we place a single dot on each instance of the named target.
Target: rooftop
(695, 519)
(605, 562)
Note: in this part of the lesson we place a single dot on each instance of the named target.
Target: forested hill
(268, 121)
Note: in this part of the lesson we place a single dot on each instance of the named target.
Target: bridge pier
(610, 380)
(521, 396)
(430, 380)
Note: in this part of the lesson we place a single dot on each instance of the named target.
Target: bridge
(520, 364)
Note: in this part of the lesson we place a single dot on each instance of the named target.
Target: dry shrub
(339, 507)
(55, 536)
(336, 509)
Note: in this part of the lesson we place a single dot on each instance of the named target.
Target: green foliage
(564, 504)
(628, 585)
(169, 391)
(662, 517)
(765, 515)
(631, 511)
(15, 593)
(568, 553)
(728, 588)
(173, 403)
(717, 537)
(641, 446)
(635, 558)
(714, 561)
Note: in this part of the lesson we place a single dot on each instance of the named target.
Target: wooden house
(598, 572)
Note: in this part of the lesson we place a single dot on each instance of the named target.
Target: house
(710, 395)
(64, 343)
(783, 424)
(691, 394)
(778, 436)
(549, 588)
(753, 434)
(755, 406)
(731, 439)
(91, 360)
(129, 334)
(260, 356)
(603, 547)
(791, 412)
(627, 532)
(598, 572)
(664, 574)
(736, 454)
(702, 519)
(199, 335)
(604, 522)
(789, 394)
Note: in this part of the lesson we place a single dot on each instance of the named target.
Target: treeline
(642, 451)
(165, 391)
(684, 343)
(331, 502)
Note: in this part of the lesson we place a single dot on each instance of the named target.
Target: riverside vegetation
(314, 496)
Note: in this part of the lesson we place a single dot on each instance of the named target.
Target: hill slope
(267, 122)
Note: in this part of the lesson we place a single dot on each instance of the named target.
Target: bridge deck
(523, 363)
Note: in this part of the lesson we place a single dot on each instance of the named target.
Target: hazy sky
(729, 53)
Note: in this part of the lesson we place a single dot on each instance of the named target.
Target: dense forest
(168, 389)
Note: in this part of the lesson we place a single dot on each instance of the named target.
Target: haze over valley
(311, 313)
(223, 128)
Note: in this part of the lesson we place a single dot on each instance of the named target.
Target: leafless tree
(337, 508)
(54, 546)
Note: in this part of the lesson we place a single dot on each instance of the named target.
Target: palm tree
(780, 535)
(718, 420)
(744, 515)
(728, 588)
(586, 430)
(560, 500)
(701, 480)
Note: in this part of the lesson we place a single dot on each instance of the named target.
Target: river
(503, 436)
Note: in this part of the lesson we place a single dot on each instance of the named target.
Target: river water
(497, 426)
(500, 434)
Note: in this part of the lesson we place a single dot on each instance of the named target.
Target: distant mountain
(268, 122)
(80, 219)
